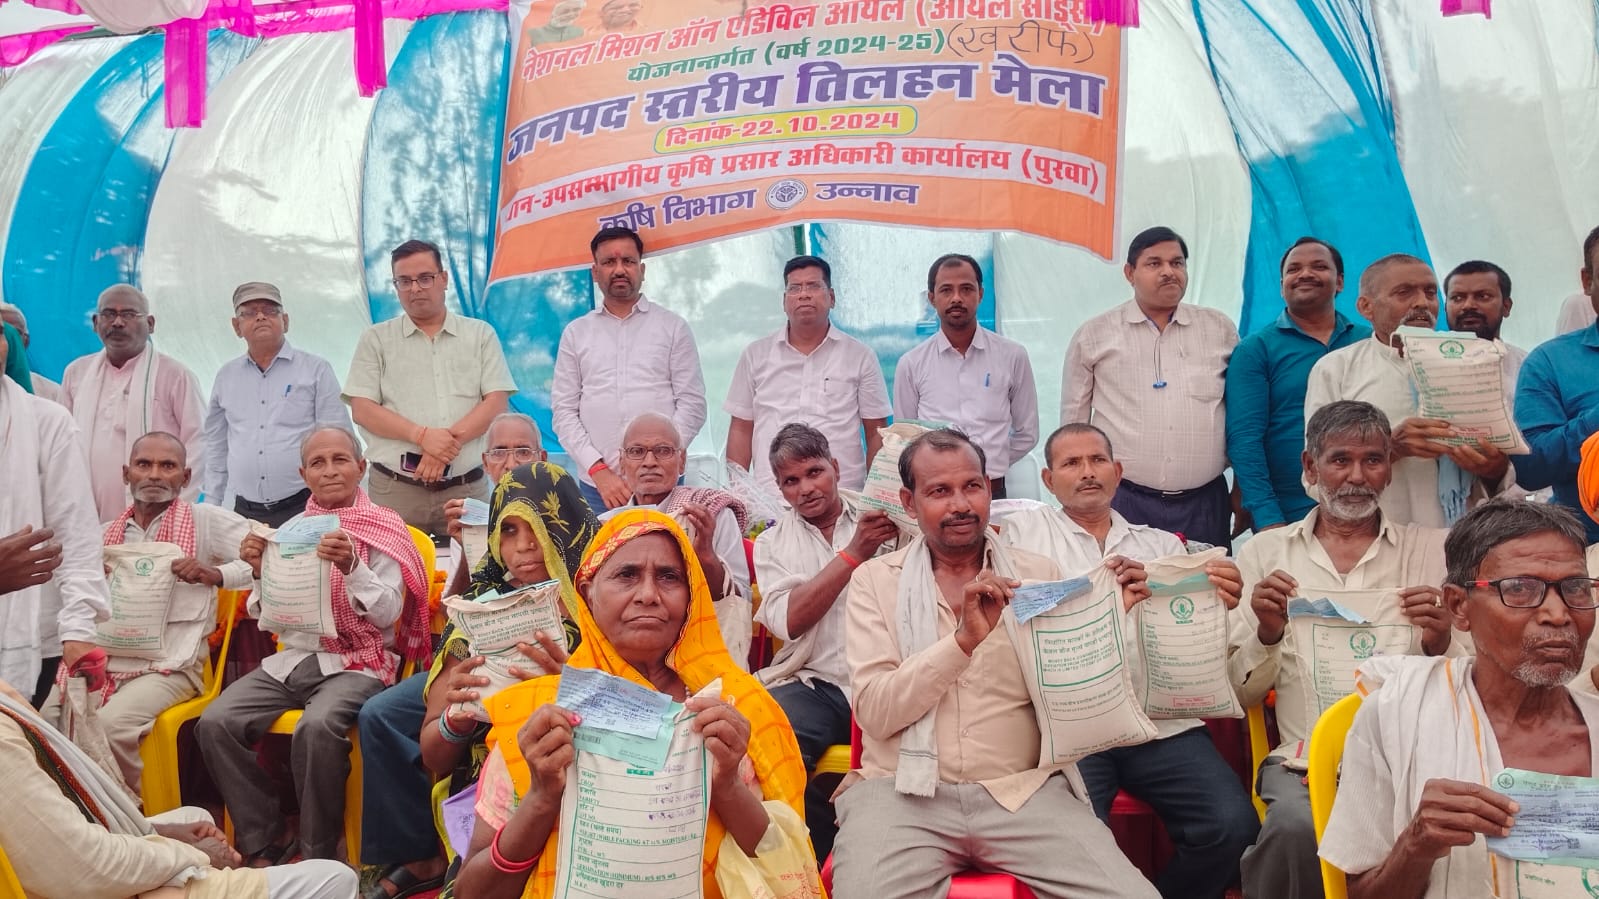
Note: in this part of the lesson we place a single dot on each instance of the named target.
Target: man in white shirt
(967, 376)
(1396, 290)
(209, 537)
(262, 404)
(653, 454)
(423, 386)
(626, 357)
(809, 372)
(803, 564)
(377, 580)
(1347, 543)
(126, 391)
(52, 584)
(42, 386)
(1432, 738)
(1576, 314)
(1151, 373)
(1206, 811)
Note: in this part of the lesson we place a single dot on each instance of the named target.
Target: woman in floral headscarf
(647, 616)
(539, 526)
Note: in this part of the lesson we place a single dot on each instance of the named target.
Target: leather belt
(470, 477)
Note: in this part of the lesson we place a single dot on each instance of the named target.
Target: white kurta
(1374, 373)
(788, 555)
(47, 486)
(1422, 719)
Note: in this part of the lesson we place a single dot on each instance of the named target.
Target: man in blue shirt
(1266, 382)
(1557, 401)
(262, 403)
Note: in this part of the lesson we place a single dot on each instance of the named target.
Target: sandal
(405, 883)
(273, 854)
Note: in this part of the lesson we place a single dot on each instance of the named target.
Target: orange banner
(691, 120)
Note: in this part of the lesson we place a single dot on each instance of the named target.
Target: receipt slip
(1558, 821)
(493, 625)
(1068, 639)
(474, 531)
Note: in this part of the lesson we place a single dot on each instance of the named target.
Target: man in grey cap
(262, 404)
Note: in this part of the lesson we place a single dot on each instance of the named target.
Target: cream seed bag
(296, 587)
(1068, 638)
(1332, 633)
(141, 582)
(1180, 642)
(882, 478)
(492, 628)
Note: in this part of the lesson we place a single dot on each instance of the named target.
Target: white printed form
(1459, 378)
(629, 831)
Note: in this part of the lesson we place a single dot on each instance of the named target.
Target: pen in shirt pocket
(287, 388)
(985, 378)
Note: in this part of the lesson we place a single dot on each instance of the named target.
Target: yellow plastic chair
(10, 887)
(429, 552)
(1259, 748)
(1326, 752)
(160, 789)
(834, 761)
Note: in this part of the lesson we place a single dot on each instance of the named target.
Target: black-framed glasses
(664, 452)
(426, 279)
(1527, 592)
(520, 454)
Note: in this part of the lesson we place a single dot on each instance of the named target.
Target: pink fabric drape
(1467, 7)
(371, 66)
(67, 6)
(14, 48)
(185, 73)
(1123, 13)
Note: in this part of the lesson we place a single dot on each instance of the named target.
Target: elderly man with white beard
(1433, 737)
(1345, 544)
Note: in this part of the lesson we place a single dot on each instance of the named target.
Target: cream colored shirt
(832, 388)
(56, 852)
(433, 382)
(1576, 313)
(609, 370)
(1171, 437)
(193, 613)
(788, 555)
(985, 729)
(988, 392)
(1403, 555)
(1374, 373)
(1051, 533)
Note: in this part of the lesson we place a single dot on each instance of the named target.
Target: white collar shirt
(988, 392)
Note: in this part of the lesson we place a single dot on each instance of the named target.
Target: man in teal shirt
(1266, 381)
(17, 359)
(1557, 402)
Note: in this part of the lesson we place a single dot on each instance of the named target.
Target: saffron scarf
(698, 657)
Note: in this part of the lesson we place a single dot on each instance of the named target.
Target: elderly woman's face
(639, 597)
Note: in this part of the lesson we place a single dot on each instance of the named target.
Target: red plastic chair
(966, 885)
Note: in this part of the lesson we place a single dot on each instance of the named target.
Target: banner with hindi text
(693, 120)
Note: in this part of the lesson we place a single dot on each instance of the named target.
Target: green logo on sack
(1182, 608)
(1363, 644)
(1590, 881)
(1451, 349)
(143, 567)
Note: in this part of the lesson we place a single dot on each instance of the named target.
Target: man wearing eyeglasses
(1349, 551)
(654, 455)
(811, 373)
(423, 387)
(512, 439)
(262, 404)
(126, 391)
(1427, 763)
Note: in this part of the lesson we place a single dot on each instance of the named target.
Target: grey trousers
(234, 724)
(1283, 864)
(422, 508)
(892, 846)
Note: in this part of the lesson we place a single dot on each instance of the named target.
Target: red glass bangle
(508, 867)
(849, 559)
